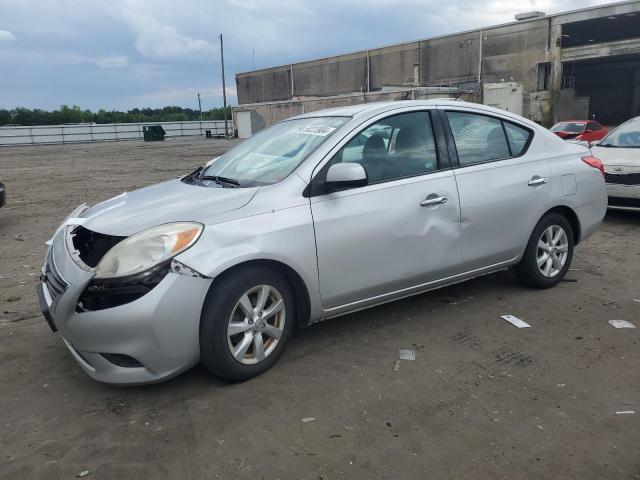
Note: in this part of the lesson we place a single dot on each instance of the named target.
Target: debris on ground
(621, 324)
(515, 321)
(461, 300)
(19, 238)
(405, 354)
(83, 473)
(308, 419)
(625, 412)
(594, 271)
(396, 366)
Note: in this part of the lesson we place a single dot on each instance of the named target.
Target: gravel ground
(482, 399)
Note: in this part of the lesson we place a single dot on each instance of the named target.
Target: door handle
(536, 180)
(430, 201)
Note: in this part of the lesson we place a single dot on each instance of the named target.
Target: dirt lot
(483, 399)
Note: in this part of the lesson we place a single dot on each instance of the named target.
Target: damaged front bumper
(149, 339)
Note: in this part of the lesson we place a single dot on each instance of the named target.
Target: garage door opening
(611, 85)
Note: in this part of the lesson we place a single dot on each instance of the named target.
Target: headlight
(148, 248)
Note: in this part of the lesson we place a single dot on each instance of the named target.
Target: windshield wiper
(221, 180)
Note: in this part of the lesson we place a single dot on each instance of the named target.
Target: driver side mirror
(588, 130)
(346, 175)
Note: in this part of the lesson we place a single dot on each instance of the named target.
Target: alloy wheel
(256, 324)
(552, 251)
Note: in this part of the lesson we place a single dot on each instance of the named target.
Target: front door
(400, 230)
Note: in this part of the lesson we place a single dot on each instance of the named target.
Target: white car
(620, 154)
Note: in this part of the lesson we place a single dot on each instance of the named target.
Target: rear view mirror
(346, 175)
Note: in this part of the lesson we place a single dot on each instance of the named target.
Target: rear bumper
(157, 335)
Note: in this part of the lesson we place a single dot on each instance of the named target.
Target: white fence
(80, 133)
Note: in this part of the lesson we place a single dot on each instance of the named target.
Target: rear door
(502, 189)
(399, 231)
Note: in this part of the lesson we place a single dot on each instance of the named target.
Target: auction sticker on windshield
(317, 130)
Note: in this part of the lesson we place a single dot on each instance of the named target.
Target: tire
(528, 271)
(226, 308)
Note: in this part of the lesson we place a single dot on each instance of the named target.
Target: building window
(544, 72)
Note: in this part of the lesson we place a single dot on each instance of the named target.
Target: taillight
(594, 162)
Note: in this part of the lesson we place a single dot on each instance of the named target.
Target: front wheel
(246, 322)
(549, 252)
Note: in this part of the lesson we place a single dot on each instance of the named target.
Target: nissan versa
(317, 216)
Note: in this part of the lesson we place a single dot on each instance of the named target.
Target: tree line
(74, 114)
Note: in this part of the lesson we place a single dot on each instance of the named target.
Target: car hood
(165, 202)
(617, 157)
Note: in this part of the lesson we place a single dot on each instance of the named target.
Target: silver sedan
(315, 217)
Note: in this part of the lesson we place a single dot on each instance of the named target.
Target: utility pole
(200, 108)
(254, 59)
(224, 89)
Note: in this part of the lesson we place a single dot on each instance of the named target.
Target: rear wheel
(549, 252)
(246, 322)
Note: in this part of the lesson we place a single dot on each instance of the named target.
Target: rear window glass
(478, 138)
(568, 127)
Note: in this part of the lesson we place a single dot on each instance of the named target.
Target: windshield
(626, 135)
(569, 127)
(272, 154)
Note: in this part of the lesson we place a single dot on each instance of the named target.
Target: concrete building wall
(264, 85)
(394, 66)
(331, 76)
(268, 113)
(528, 53)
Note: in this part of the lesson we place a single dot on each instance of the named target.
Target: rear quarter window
(518, 138)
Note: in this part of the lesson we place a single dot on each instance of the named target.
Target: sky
(121, 54)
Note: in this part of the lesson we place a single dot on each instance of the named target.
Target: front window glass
(568, 127)
(626, 135)
(398, 146)
(272, 154)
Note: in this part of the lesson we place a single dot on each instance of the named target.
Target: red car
(580, 130)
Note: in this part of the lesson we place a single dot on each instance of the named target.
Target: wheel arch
(571, 217)
(300, 290)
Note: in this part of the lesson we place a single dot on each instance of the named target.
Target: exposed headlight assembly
(147, 249)
(135, 265)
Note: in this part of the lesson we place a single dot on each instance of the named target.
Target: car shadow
(320, 336)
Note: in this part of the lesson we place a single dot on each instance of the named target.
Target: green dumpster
(153, 133)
